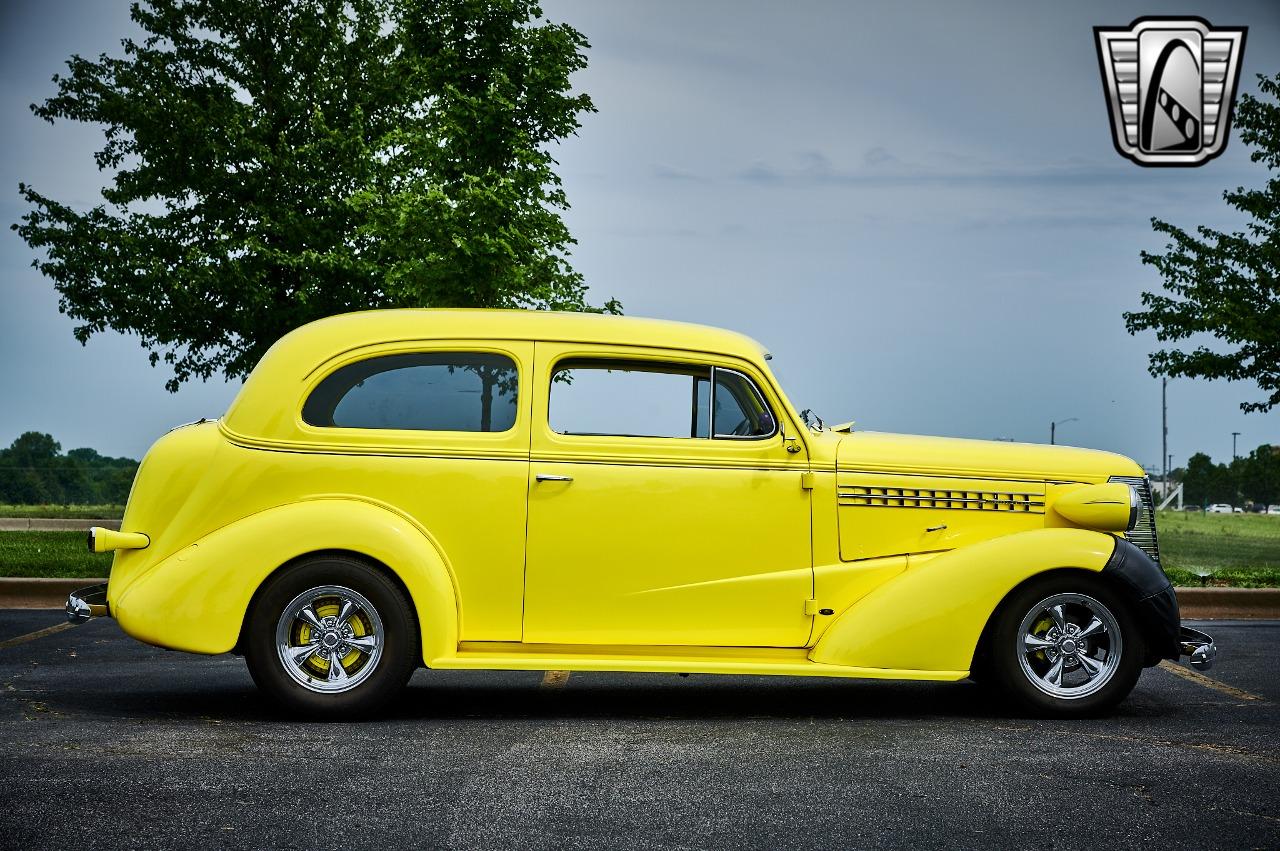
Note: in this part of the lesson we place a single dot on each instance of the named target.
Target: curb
(49, 524)
(1229, 603)
(18, 593)
(1194, 603)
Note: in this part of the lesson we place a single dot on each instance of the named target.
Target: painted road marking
(32, 636)
(555, 679)
(1200, 679)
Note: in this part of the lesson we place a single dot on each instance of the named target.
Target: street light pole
(1234, 435)
(1053, 428)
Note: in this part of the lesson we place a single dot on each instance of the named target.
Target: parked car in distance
(1219, 508)
(1273, 509)
(463, 489)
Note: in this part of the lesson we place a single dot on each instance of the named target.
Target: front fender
(931, 616)
(197, 598)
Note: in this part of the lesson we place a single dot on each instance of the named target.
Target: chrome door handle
(547, 477)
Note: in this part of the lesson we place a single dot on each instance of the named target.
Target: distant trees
(33, 471)
(1250, 478)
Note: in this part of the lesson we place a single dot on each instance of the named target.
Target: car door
(661, 511)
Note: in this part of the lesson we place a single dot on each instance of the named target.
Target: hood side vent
(1027, 503)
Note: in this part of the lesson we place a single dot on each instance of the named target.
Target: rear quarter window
(421, 391)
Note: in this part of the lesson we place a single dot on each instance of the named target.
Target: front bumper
(88, 603)
(1156, 606)
(1199, 646)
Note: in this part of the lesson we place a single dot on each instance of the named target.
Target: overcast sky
(916, 206)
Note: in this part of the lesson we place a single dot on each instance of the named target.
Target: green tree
(1260, 475)
(1205, 482)
(274, 163)
(1225, 284)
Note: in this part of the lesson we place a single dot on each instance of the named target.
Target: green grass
(50, 554)
(88, 512)
(1238, 550)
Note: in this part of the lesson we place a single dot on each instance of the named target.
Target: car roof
(372, 326)
(278, 378)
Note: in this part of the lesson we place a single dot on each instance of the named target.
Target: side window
(423, 391)
(628, 398)
(647, 399)
(740, 410)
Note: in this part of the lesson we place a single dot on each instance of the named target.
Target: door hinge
(811, 609)
(806, 481)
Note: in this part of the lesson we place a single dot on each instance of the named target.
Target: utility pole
(1234, 435)
(1164, 433)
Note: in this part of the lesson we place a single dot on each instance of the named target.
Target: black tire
(378, 672)
(1078, 693)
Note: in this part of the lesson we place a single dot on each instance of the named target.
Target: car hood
(873, 451)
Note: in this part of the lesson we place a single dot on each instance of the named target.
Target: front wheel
(331, 637)
(1066, 645)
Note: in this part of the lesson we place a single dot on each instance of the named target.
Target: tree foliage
(274, 163)
(1252, 478)
(33, 471)
(1225, 284)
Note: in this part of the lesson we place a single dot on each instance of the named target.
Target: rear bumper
(88, 603)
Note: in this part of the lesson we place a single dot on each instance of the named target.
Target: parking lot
(105, 743)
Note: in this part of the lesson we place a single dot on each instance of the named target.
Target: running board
(508, 656)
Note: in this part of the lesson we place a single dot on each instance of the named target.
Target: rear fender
(197, 599)
(931, 616)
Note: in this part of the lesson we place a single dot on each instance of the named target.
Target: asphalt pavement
(105, 742)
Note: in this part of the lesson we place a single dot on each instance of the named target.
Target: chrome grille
(1143, 535)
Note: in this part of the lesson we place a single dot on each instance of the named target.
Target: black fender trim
(1154, 602)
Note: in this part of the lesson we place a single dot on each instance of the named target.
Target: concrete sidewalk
(53, 524)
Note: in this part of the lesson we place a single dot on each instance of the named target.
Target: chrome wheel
(1069, 645)
(330, 639)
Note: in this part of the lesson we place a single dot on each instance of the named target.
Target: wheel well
(369, 561)
(981, 650)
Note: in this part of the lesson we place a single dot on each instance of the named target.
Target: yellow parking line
(555, 679)
(1200, 679)
(32, 636)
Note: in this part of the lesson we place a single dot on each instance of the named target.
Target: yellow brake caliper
(317, 664)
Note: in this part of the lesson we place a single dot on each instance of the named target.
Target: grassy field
(50, 554)
(1239, 550)
(87, 512)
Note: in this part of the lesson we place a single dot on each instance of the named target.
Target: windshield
(808, 415)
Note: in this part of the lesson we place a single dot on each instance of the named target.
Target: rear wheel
(1065, 645)
(331, 637)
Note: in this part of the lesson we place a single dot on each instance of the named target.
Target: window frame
(675, 368)
(760, 397)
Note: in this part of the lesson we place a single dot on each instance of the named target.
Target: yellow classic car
(488, 489)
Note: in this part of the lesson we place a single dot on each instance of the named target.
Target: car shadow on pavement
(434, 696)
(642, 696)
